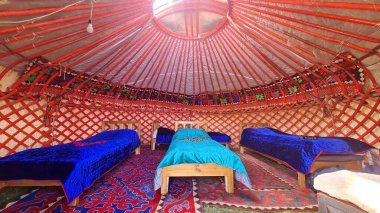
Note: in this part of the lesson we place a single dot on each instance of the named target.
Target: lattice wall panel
(75, 123)
(305, 120)
(359, 119)
(23, 124)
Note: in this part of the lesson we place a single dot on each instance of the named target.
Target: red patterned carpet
(129, 188)
(274, 188)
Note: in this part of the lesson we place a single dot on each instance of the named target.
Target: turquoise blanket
(196, 146)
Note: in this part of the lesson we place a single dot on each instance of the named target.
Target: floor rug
(274, 188)
(129, 188)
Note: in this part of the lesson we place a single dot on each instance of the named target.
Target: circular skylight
(190, 19)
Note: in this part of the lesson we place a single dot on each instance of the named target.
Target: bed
(193, 153)
(72, 166)
(164, 135)
(302, 153)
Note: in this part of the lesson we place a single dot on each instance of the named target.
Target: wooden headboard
(190, 124)
(156, 125)
(136, 125)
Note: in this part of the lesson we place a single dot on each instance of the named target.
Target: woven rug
(129, 188)
(274, 188)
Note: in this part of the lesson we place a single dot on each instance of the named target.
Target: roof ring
(190, 19)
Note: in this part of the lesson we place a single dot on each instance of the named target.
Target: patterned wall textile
(45, 78)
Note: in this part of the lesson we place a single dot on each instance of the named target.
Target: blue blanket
(77, 165)
(299, 152)
(165, 136)
(196, 146)
(220, 137)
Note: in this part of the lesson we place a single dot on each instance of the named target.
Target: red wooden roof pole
(112, 39)
(114, 59)
(94, 64)
(306, 23)
(206, 57)
(184, 62)
(191, 21)
(138, 62)
(195, 67)
(303, 56)
(156, 67)
(215, 59)
(158, 49)
(58, 38)
(159, 67)
(178, 67)
(270, 39)
(276, 69)
(176, 59)
(185, 68)
(60, 27)
(122, 29)
(144, 39)
(54, 9)
(146, 51)
(197, 18)
(247, 63)
(110, 26)
(317, 14)
(221, 63)
(9, 67)
(177, 10)
(368, 74)
(216, 67)
(234, 44)
(221, 45)
(325, 4)
(111, 35)
(201, 70)
(169, 69)
(315, 34)
(282, 52)
(29, 26)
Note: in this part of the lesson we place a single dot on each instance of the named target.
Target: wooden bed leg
(301, 180)
(228, 146)
(165, 182)
(241, 150)
(137, 150)
(74, 202)
(153, 145)
(229, 181)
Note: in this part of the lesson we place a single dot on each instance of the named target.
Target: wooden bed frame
(28, 182)
(351, 165)
(177, 125)
(136, 125)
(195, 170)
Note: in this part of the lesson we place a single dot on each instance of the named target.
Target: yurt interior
(190, 106)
